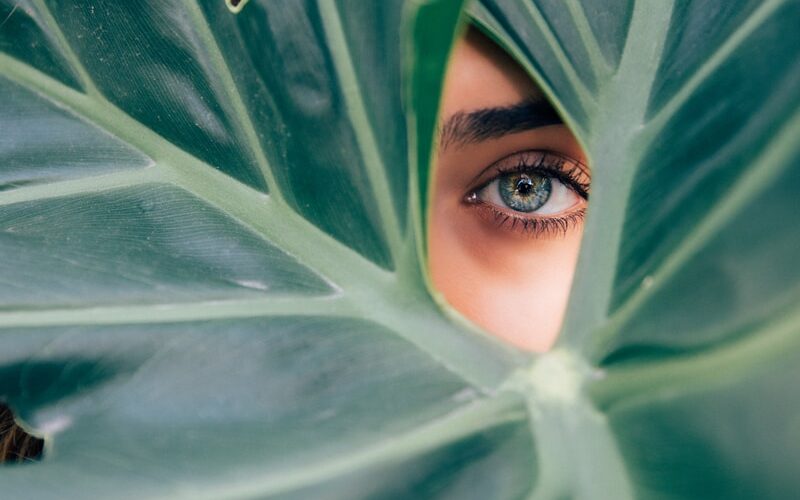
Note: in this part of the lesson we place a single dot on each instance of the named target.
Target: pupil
(524, 186)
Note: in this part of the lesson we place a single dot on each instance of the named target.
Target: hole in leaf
(508, 198)
(16, 445)
(235, 6)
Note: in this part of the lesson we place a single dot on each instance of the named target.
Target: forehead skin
(477, 64)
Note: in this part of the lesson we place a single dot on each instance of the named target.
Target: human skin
(509, 277)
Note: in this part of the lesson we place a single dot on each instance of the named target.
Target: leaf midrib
(624, 99)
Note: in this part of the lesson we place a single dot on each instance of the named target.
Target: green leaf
(211, 276)
(212, 229)
(687, 288)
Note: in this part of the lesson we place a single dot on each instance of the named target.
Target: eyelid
(533, 227)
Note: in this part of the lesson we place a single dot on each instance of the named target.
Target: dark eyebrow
(490, 123)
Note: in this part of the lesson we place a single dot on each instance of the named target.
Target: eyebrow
(490, 123)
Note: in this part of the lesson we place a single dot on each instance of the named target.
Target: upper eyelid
(482, 179)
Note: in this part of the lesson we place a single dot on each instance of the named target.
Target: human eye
(536, 193)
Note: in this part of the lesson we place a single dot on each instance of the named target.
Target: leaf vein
(669, 109)
(365, 137)
(66, 49)
(241, 116)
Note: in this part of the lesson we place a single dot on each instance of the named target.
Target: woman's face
(509, 197)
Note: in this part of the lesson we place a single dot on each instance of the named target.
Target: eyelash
(547, 163)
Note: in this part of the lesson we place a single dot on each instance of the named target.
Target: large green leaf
(212, 236)
(687, 290)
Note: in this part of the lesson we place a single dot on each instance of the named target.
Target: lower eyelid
(534, 227)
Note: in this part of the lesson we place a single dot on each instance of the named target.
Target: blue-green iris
(524, 192)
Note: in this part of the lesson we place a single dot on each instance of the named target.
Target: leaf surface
(211, 276)
(686, 292)
(213, 237)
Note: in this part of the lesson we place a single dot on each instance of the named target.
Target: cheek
(514, 287)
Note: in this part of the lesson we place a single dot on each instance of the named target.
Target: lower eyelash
(532, 226)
